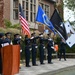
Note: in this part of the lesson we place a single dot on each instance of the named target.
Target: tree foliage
(70, 4)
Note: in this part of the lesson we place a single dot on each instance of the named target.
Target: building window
(15, 9)
(29, 8)
(32, 10)
(26, 9)
(15, 14)
(15, 3)
(23, 4)
(46, 8)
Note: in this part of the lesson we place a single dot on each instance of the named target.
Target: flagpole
(20, 1)
(34, 26)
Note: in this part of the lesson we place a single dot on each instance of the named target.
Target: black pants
(41, 50)
(62, 51)
(27, 55)
(49, 55)
(34, 52)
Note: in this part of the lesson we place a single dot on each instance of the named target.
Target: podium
(10, 59)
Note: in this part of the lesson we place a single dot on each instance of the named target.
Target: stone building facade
(30, 10)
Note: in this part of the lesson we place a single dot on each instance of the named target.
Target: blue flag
(42, 18)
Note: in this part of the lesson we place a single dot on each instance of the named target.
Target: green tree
(70, 4)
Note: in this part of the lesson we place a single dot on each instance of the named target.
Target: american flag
(23, 22)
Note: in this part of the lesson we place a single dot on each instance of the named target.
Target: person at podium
(17, 39)
(1, 42)
(7, 40)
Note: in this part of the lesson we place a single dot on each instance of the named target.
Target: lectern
(10, 59)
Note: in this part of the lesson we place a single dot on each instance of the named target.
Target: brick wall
(1, 13)
(7, 9)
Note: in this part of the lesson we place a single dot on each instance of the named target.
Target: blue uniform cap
(1, 35)
(8, 33)
(16, 35)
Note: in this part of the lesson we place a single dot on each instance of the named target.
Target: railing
(68, 55)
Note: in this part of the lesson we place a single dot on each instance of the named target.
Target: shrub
(18, 26)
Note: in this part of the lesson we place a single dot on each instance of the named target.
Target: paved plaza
(47, 69)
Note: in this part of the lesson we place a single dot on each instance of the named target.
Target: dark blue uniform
(8, 38)
(17, 39)
(62, 50)
(50, 50)
(34, 50)
(27, 51)
(41, 49)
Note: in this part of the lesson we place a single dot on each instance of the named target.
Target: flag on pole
(71, 34)
(42, 18)
(58, 24)
(69, 28)
(70, 41)
(23, 22)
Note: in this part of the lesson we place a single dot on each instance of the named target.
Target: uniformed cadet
(41, 48)
(8, 38)
(17, 39)
(34, 48)
(27, 50)
(62, 49)
(50, 48)
(1, 42)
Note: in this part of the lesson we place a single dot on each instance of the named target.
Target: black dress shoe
(59, 59)
(50, 63)
(35, 65)
(42, 63)
(28, 66)
(65, 59)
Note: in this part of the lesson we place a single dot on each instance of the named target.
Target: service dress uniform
(27, 51)
(62, 50)
(41, 49)
(16, 40)
(8, 38)
(34, 50)
(50, 48)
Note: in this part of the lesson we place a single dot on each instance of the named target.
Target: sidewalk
(47, 68)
